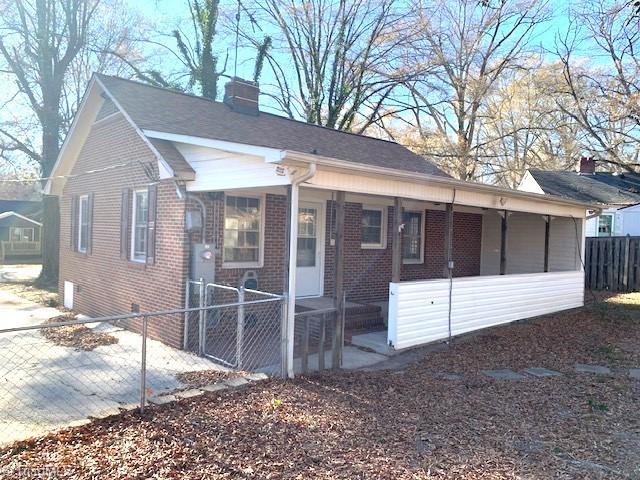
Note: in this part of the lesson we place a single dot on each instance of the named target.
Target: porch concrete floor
(317, 303)
(376, 341)
(352, 358)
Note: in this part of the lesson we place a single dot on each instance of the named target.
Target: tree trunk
(50, 239)
(50, 234)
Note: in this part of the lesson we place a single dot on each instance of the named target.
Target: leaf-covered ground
(394, 424)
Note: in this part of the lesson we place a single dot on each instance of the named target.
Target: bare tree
(460, 50)
(522, 127)
(47, 47)
(334, 62)
(604, 94)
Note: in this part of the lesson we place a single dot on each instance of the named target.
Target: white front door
(310, 262)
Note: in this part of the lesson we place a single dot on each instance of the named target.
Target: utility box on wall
(203, 262)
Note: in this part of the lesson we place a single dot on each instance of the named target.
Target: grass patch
(29, 291)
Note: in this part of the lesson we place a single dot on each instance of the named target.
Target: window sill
(412, 262)
(365, 246)
(230, 266)
(137, 264)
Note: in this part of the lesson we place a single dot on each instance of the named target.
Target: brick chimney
(242, 95)
(587, 166)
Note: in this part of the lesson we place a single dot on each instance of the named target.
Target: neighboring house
(149, 179)
(19, 229)
(617, 195)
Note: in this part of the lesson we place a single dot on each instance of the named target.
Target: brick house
(149, 179)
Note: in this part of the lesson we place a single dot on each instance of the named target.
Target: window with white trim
(374, 231)
(413, 237)
(83, 223)
(242, 231)
(139, 220)
(605, 225)
(22, 234)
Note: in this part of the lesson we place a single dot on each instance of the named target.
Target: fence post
(201, 318)
(187, 304)
(284, 360)
(625, 277)
(143, 366)
(240, 327)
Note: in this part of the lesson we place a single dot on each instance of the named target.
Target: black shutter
(74, 223)
(125, 214)
(90, 223)
(151, 224)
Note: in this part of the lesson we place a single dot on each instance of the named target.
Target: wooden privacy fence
(611, 263)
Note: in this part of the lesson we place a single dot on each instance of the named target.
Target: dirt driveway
(412, 423)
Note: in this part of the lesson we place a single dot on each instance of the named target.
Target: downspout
(293, 254)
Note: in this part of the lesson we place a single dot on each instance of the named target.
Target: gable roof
(23, 207)
(163, 110)
(599, 188)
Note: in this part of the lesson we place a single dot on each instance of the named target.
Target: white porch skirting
(418, 310)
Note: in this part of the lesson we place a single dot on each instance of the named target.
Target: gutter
(296, 181)
(300, 157)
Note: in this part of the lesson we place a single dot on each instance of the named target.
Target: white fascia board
(163, 166)
(14, 214)
(386, 172)
(89, 92)
(270, 155)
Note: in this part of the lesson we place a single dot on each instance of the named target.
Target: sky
(165, 15)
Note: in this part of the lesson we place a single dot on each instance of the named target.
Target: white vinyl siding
(418, 311)
(525, 243)
(219, 169)
(139, 219)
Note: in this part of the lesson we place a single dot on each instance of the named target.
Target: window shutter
(74, 223)
(151, 224)
(90, 223)
(125, 214)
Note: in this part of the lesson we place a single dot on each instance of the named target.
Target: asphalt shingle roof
(600, 188)
(159, 109)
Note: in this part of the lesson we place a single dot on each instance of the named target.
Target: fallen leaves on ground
(407, 424)
(76, 336)
(202, 378)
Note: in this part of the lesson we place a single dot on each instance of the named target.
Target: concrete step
(376, 341)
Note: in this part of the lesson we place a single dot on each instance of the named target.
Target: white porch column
(291, 282)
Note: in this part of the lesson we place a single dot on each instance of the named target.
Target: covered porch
(457, 257)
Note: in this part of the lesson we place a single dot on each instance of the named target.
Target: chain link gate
(236, 327)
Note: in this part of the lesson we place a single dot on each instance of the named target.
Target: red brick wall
(271, 274)
(105, 283)
(368, 271)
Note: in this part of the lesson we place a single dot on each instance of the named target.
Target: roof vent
(242, 95)
(587, 166)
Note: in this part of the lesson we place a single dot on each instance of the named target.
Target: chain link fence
(70, 369)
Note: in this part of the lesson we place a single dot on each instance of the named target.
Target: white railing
(419, 310)
(9, 248)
